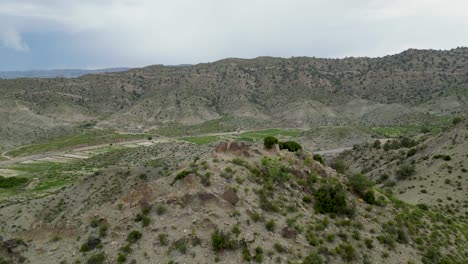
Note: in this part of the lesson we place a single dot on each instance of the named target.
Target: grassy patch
(84, 139)
(49, 175)
(12, 182)
(224, 124)
(396, 131)
(201, 140)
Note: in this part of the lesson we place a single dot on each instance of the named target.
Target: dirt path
(332, 151)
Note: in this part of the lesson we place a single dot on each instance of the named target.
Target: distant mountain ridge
(415, 87)
(65, 73)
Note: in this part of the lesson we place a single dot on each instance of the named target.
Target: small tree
(405, 171)
(269, 141)
(330, 199)
(318, 158)
(359, 183)
(292, 146)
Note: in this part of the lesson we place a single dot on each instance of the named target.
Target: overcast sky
(46, 34)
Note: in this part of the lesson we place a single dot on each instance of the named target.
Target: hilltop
(418, 87)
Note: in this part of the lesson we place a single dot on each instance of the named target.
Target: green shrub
(280, 248)
(405, 171)
(359, 184)
(270, 225)
(330, 199)
(246, 254)
(339, 165)
(376, 144)
(307, 199)
(236, 230)
(444, 157)
(369, 243)
(181, 245)
(311, 237)
(91, 244)
(319, 158)
(222, 241)
(134, 236)
(411, 152)
(161, 209)
(121, 258)
(181, 176)
(422, 206)
(256, 217)
(96, 259)
(347, 252)
(291, 146)
(163, 239)
(126, 249)
(12, 182)
(456, 120)
(369, 197)
(269, 141)
(313, 258)
(258, 254)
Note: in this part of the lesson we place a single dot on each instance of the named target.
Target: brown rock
(230, 196)
(222, 147)
(290, 233)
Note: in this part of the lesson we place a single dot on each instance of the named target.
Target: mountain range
(417, 87)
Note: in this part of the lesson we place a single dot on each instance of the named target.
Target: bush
(91, 244)
(181, 176)
(292, 146)
(330, 199)
(161, 209)
(376, 144)
(347, 251)
(258, 254)
(313, 258)
(339, 166)
(369, 243)
(369, 197)
(221, 241)
(405, 171)
(444, 157)
(163, 239)
(411, 152)
(12, 182)
(121, 258)
(134, 236)
(269, 141)
(270, 225)
(359, 184)
(311, 237)
(318, 158)
(307, 199)
(96, 259)
(456, 120)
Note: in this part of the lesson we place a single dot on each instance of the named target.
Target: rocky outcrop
(237, 148)
(230, 196)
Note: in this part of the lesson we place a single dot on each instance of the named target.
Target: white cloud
(139, 32)
(12, 39)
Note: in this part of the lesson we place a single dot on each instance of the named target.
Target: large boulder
(237, 148)
(230, 196)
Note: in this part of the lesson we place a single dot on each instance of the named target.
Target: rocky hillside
(234, 204)
(413, 87)
(430, 169)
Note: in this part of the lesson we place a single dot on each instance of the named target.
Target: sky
(91, 34)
